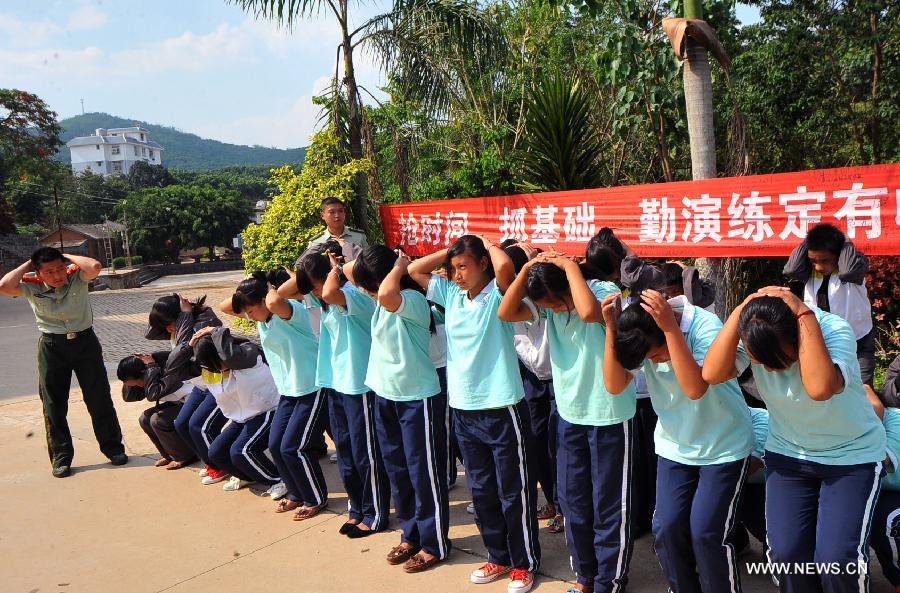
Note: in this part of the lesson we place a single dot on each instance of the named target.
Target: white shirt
(845, 299)
(179, 394)
(246, 393)
(532, 345)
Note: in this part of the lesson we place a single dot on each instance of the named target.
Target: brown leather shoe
(399, 554)
(417, 564)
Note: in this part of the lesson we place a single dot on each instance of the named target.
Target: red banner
(760, 215)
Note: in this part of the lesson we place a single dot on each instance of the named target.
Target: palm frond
(284, 12)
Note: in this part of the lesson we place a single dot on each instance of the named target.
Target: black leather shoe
(119, 459)
(355, 532)
(62, 471)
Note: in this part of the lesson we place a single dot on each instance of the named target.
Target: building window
(117, 167)
(99, 163)
(97, 146)
(136, 151)
(142, 137)
(144, 152)
(115, 150)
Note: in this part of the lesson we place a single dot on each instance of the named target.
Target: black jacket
(852, 265)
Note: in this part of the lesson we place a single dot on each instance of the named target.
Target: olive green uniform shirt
(354, 241)
(60, 310)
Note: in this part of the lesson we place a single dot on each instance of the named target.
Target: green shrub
(136, 260)
(119, 262)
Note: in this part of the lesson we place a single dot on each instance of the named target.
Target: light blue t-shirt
(344, 343)
(399, 366)
(841, 431)
(760, 419)
(576, 361)
(713, 429)
(291, 350)
(482, 367)
(892, 428)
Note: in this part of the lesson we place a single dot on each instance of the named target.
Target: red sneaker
(214, 476)
(489, 572)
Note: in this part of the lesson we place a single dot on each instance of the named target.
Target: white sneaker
(277, 491)
(234, 483)
(332, 458)
(470, 508)
(488, 573)
(520, 581)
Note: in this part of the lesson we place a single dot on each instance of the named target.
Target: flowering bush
(883, 282)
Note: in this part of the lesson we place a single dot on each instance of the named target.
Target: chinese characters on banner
(762, 215)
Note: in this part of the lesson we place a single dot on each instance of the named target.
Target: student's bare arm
(421, 269)
(278, 305)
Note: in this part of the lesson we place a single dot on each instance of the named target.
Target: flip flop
(285, 506)
(304, 512)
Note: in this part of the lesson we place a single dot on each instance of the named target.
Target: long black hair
(636, 333)
(603, 255)
(314, 264)
(473, 246)
(764, 325)
(374, 264)
(166, 310)
(251, 291)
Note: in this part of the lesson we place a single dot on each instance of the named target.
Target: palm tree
(408, 41)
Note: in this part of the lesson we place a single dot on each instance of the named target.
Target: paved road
(18, 342)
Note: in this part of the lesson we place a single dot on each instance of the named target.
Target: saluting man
(58, 295)
(352, 240)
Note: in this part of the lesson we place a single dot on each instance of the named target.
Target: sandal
(399, 554)
(417, 564)
(555, 525)
(304, 513)
(176, 465)
(548, 511)
(162, 461)
(285, 506)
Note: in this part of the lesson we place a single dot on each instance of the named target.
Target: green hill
(181, 149)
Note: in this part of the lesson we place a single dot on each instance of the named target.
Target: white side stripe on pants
(862, 550)
(245, 451)
(526, 503)
(310, 423)
(733, 575)
(622, 562)
(429, 457)
(373, 468)
(895, 553)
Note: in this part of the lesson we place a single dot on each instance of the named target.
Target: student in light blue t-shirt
(825, 449)
(410, 409)
(485, 391)
(595, 432)
(343, 355)
(703, 436)
(290, 346)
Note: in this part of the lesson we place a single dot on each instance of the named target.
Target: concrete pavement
(140, 529)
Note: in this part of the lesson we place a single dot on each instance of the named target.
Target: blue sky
(203, 66)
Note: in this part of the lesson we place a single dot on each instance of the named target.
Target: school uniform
(199, 421)
(752, 514)
(886, 525)
(491, 421)
(291, 350)
(411, 422)
(844, 293)
(167, 393)
(437, 352)
(533, 350)
(247, 396)
(703, 447)
(343, 357)
(645, 460)
(595, 437)
(823, 466)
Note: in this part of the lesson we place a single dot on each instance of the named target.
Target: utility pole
(58, 218)
(82, 107)
(125, 235)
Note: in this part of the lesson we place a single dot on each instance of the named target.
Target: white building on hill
(113, 151)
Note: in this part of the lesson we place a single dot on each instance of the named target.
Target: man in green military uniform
(334, 214)
(58, 295)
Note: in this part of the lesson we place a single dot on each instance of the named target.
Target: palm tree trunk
(360, 204)
(699, 105)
